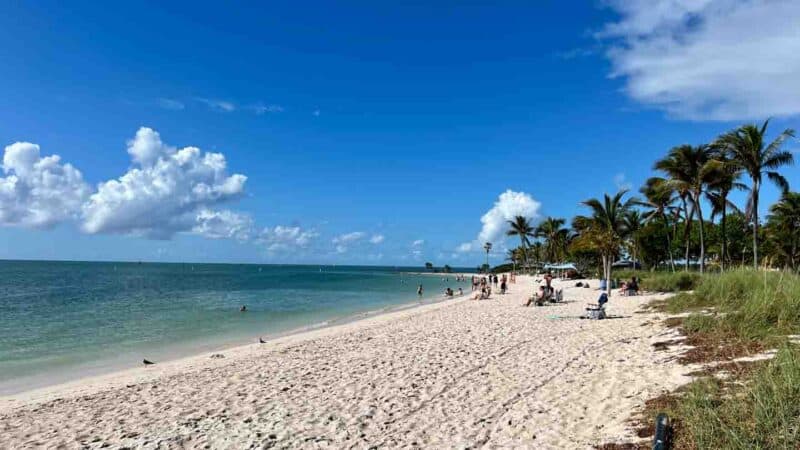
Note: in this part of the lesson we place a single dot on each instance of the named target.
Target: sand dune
(451, 375)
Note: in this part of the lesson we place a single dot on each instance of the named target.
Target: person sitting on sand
(633, 287)
(448, 292)
(538, 298)
(623, 289)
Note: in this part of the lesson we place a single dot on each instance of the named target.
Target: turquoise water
(63, 320)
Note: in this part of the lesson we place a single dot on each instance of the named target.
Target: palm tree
(690, 169)
(673, 165)
(604, 230)
(488, 247)
(659, 197)
(784, 221)
(521, 227)
(724, 182)
(748, 149)
(555, 236)
(633, 227)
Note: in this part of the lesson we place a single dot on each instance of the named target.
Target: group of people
(483, 285)
(544, 293)
(630, 287)
(449, 292)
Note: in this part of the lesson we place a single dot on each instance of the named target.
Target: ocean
(60, 321)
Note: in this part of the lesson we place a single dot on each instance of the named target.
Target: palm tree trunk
(669, 245)
(687, 228)
(702, 234)
(724, 233)
(755, 223)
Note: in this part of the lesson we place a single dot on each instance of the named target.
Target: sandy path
(462, 374)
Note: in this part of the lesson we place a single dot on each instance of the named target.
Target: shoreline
(447, 374)
(18, 386)
(194, 359)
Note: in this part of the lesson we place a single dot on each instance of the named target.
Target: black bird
(261, 341)
(147, 363)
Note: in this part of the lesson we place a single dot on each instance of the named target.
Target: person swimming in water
(243, 308)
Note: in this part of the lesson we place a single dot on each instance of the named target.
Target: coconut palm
(659, 198)
(747, 148)
(521, 227)
(690, 169)
(723, 183)
(552, 231)
(604, 230)
(634, 222)
(784, 226)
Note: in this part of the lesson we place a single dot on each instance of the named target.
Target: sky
(360, 132)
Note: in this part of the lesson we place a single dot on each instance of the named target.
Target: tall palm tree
(633, 227)
(521, 227)
(674, 166)
(725, 180)
(784, 222)
(604, 230)
(690, 169)
(555, 237)
(747, 148)
(659, 198)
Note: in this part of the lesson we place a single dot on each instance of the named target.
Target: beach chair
(595, 312)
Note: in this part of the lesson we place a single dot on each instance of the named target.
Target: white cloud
(217, 105)
(171, 104)
(38, 191)
(495, 222)
(621, 182)
(164, 193)
(223, 225)
(343, 241)
(418, 243)
(284, 238)
(261, 108)
(465, 247)
(708, 59)
(377, 239)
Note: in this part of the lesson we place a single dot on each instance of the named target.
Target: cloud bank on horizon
(708, 59)
(165, 191)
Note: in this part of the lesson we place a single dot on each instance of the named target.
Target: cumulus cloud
(708, 59)
(343, 241)
(495, 222)
(285, 238)
(377, 238)
(164, 192)
(38, 192)
(418, 243)
(223, 225)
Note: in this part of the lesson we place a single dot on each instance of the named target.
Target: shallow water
(63, 320)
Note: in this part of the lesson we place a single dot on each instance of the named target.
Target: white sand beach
(455, 374)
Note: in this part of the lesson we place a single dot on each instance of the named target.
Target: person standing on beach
(548, 279)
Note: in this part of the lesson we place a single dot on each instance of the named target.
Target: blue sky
(367, 133)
